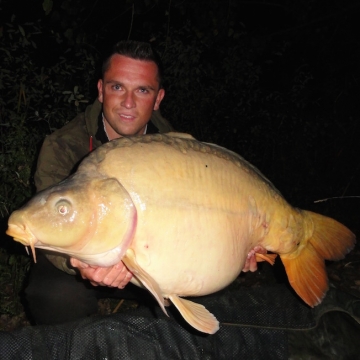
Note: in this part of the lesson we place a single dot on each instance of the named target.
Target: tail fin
(305, 267)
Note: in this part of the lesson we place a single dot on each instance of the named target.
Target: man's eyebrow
(113, 82)
(146, 87)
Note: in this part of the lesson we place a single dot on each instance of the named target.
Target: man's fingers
(78, 264)
(113, 276)
(117, 277)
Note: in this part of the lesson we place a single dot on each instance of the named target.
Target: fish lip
(21, 234)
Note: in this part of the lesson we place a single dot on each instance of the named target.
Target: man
(129, 95)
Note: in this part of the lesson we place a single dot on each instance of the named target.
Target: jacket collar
(94, 126)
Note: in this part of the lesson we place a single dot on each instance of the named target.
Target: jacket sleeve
(62, 262)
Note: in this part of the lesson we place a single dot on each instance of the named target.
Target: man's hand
(114, 276)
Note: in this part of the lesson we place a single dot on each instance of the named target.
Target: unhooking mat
(268, 322)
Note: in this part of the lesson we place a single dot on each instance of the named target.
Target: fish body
(183, 216)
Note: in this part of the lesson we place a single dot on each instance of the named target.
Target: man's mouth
(127, 117)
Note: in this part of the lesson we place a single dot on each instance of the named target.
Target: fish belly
(195, 211)
(187, 260)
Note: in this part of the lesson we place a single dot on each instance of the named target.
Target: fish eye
(63, 207)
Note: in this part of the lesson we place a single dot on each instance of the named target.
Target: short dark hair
(135, 50)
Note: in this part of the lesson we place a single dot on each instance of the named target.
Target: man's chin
(132, 131)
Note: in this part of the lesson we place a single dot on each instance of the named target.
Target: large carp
(183, 216)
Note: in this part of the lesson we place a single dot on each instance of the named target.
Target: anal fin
(196, 315)
(270, 258)
(255, 255)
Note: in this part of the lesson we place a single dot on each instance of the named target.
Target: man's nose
(128, 100)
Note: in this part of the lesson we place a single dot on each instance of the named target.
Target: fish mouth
(22, 235)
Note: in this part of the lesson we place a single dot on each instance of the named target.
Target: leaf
(21, 30)
(47, 6)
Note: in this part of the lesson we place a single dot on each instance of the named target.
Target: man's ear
(159, 98)
(100, 90)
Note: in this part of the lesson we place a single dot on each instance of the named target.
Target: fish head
(81, 216)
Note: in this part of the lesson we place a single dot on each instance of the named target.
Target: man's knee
(53, 296)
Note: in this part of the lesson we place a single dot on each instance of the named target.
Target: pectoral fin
(196, 315)
(129, 260)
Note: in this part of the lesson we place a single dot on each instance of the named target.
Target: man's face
(129, 93)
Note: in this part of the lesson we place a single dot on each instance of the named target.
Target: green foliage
(34, 102)
(47, 6)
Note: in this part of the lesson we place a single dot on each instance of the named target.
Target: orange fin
(196, 315)
(270, 258)
(307, 275)
(332, 240)
(305, 267)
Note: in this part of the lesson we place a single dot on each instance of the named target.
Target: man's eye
(117, 87)
(143, 90)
